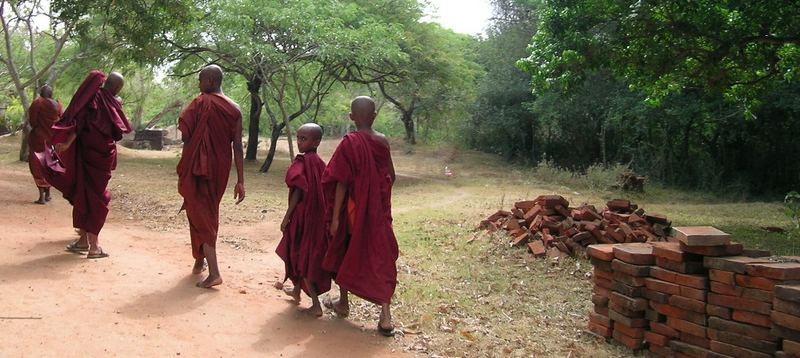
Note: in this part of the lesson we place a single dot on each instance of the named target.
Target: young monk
(304, 238)
(43, 113)
(93, 122)
(210, 127)
(358, 184)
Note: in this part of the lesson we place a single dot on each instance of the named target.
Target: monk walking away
(42, 115)
(362, 251)
(211, 127)
(304, 238)
(86, 138)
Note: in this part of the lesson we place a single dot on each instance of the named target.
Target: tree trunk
(254, 87)
(273, 145)
(408, 123)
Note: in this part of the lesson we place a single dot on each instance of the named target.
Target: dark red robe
(363, 253)
(96, 116)
(43, 113)
(304, 243)
(208, 128)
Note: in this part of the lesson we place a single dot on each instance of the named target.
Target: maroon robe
(43, 113)
(304, 243)
(96, 116)
(363, 253)
(208, 128)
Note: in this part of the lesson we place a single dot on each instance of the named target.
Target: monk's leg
(214, 278)
(47, 196)
(341, 305)
(385, 320)
(95, 251)
(199, 266)
(42, 199)
(316, 308)
(294, 293)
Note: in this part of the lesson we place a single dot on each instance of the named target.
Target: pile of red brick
(699, 295)
(549, 226)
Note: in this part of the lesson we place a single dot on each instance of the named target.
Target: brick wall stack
(601, 257)
(786, 319)
(697, 296)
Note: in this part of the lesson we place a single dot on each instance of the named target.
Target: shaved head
(313, 130)
(210, 79)
(362, 106)
(46, 91)
(114, 82)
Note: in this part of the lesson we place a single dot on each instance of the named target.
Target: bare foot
(199, 266)
(341, 309)
(294, 293)
(315, 310)
(40, 201)
(210, 282)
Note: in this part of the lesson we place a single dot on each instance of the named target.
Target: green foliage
(792, 207)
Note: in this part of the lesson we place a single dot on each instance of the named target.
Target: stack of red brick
(549, 222)
(698, 299)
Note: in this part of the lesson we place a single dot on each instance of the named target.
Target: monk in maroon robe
(362, 251)
(43, 113)
(304, 238)
(93, 122)
(210, 126)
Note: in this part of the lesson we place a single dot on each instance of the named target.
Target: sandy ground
(142, 300)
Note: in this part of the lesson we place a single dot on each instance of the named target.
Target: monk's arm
(60, 147)
(338, 202)
(238, 158)
(294, 199)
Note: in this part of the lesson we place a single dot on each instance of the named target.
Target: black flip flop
(99, 255)
(73, 247)
(386, 332)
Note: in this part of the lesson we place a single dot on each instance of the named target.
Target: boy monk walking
(304, 238)
(358, 185)
(210, 126)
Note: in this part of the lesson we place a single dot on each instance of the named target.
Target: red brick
(702, 342)
(600, 300)
(680, 266)
(756, 294)
(791, 347)
(743, 341)
(721, 250)
(628, 321)
(725, 277)
(701, 236)
(654, 316)
(600, 319)
(603, 252)
(598, 330)
(664, 330)
(635, 253)
(608, 275)
(601, 310)
(737, 264)
(600, 264)
(694, 281)
(784, 332)
(655, 296)
(660, 351)
(672, 251)
(756, 253)
(752, 318)
(686, 326)
(626, 290)
(675, 312)
(619, 205)
(723, 289)
(625, 311)
(739, 303)
(777, 271)
(629, 280)
(655, 338)
(693, 293)
(734, 351)
(760, 283)
(788, 292)
(741, 328)
(719, 311)
(688, 304)
(786, 320)
(537, 248)
(629, 331)
(601, 291)
(687, 350)
(792, 308)
(630, 303)
(662, 286)
(630, 269)
(602, 282)
(627, 341)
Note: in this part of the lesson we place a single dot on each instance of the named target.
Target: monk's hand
(60, 147)
(238, 192)
(334, 227)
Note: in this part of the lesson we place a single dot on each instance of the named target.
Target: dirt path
(142, 300)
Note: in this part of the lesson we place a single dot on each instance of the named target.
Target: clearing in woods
(461, 293)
